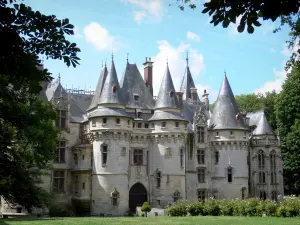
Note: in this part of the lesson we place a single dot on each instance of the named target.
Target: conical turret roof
(187, 83)
(167, 97)
(263, 126)
(226, 114)
(111, 88)
(102, 78)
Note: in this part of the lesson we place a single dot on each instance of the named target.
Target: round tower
(111, 128)
(229, 146)
(168, 132)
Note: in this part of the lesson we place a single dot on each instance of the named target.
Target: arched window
(158, 178)
(181, 157)
(273, 160)
(176, 196)
(229, 174)
(274, 195)
(273, 177)
(261, 159)
(263, 195)
(104, 149)
(261, 177)
(217, 156)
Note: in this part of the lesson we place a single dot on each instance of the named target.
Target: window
(201, 175)
(201, 194)
(76, 185)
(217, 156)
(200, 134)
(59, 181)
(104, 154)
(181, 158)
(168, 152)
(75, 159)
(273, 177)
(136, 97)
(176, 196)
(243, 193)
(158, 201)
(133, 125)
(83, 186)
(176, 124)
(191, 142)
(274, 196)
(139, 125)
(261, 177)
(158, 178)
(146, 125)
(137, 157)
(104, 120)
(217, 134)
(123, 152)
(261, 159)
(229, 174)
(163, 124)
(93, 122)
(200, 156)
(115, 195)
(168, 178)
(273, 160)
(231, 132)
(118, 121)
(60, 152)
(263, 195)
(61, 119)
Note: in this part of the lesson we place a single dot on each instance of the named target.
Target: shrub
(251, 207)
(226, 207)
(289, 207)
(146, 207)
(211, 207)
(60, 210)
(195, 208)
(270, 208)
(178, 209)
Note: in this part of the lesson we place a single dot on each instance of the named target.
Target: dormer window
(114, 88)
(231, 132)
(171, 93)
(118, 121)
(136, 97)
(104, 120)
(163, 124)
(146, 125)
(176, 124)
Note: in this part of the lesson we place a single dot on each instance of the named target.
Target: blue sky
(151, 28)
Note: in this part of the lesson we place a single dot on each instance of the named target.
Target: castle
(121, 146)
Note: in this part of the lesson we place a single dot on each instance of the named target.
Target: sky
(151, 28)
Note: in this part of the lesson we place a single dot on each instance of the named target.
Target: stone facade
(120, 147)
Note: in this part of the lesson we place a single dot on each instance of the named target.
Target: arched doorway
(137, 196)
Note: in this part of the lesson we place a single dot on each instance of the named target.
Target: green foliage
(195, 208)
(60, 209)
(178, 209)
(288, 118)
(146, 207)
(27, 135)
(290, 206)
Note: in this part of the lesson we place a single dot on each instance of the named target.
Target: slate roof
(102, 78)
(186, 84)
(108, 95)
(104, 111)
(163, 115)
(132, 84)
(165, 99)
(259, 119)
(225, 112)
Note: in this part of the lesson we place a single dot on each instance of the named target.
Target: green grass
(222, 220)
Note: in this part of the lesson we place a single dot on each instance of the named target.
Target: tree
(146, 207)
(288, 118)
(27, 133)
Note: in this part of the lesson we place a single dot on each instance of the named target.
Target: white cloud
(176, 60)
(139, 16)
(192, 36)
(152, 9)
(100, 37)
(276, 83)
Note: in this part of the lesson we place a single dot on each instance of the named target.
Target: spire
(187, 82)
(167, 97)
(263, 126)
(226, 114)
(187, 59)
(127, 58)
(110, 91)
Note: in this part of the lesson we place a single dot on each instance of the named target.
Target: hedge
(288, 207)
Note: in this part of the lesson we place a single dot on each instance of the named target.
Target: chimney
(148, 74)
(194, 95)
(179, 96)
(205, 99)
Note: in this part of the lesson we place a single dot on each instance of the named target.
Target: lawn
(222, 220)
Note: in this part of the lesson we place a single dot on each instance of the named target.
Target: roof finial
(187, 58)
(225, 72)
(112, 56)
(127, 57)
(59, 77)
(167, 60)
(105, 62)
